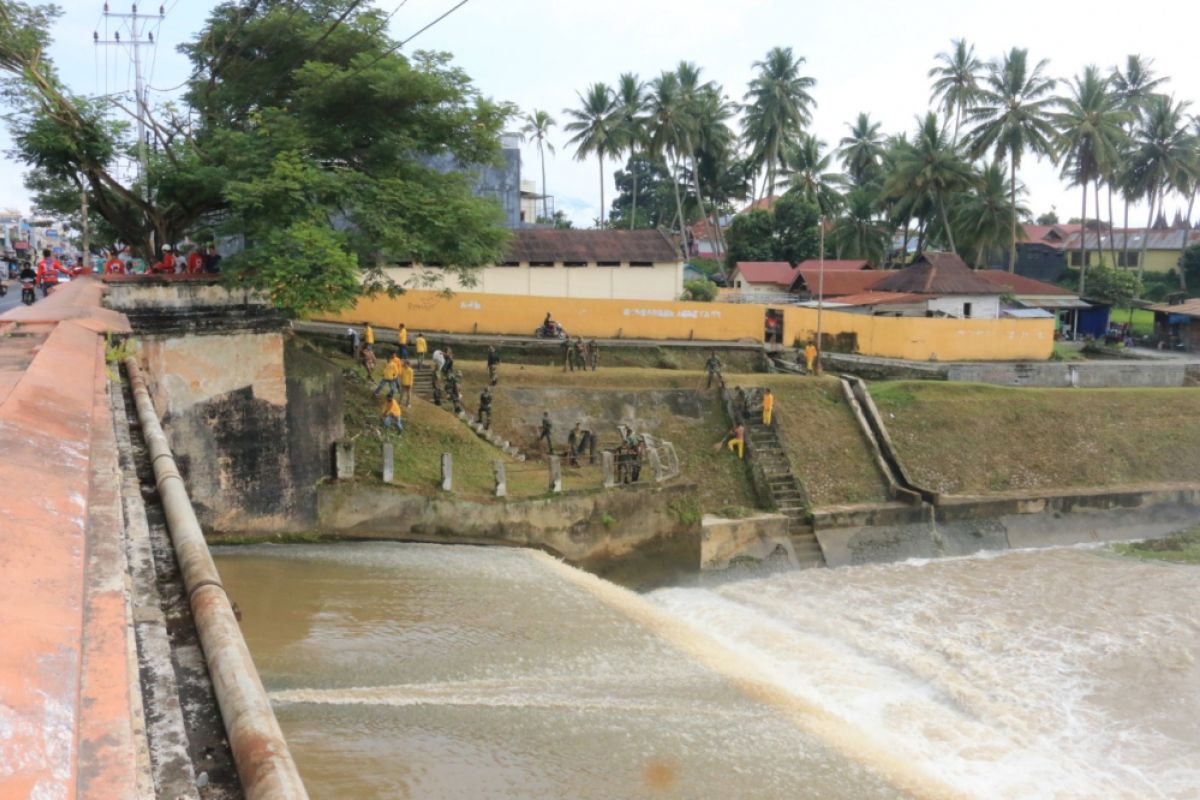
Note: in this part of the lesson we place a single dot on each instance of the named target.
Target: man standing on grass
(547, 431)
(406, 382)
(713, 367)
(593, 354)
(391, 375)
(369, 335)
(368, 359)
(485, 409)
(768, 406)
(810, 356)
(493, 364)
(574, 444)
(566, 354)
(402, 338)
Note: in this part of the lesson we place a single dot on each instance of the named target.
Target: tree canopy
(304, 131)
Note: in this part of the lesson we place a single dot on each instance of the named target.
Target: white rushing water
(1034, 674)
(453, 672)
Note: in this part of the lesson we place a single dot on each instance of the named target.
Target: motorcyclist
(28, 278)
(47, 271)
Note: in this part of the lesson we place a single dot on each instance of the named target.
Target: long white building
(612, 264)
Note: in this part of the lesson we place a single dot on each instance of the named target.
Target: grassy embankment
(975, 439)
(1181, 549)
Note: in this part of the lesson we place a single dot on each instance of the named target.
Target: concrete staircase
(423, 388)
(766, 454)
(423, 381)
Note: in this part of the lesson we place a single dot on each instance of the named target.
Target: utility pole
(137, 38)
(87, 236)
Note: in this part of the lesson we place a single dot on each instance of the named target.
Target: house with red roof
(762, 277)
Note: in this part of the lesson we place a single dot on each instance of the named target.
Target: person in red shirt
(167, 264)
(47, 271)
(114, 265)
(195, 261)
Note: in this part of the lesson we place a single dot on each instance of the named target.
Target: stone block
(555, 474)
(447, 472)
(501, 483)
(610, 469)
(389, 461)
(343, 456)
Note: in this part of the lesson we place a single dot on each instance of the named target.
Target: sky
(866, 55)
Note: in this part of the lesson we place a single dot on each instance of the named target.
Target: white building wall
(663, 281)
(982, 306)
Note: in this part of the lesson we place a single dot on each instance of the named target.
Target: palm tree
(858, 232)
(631, 125)
(703, 106)
(1090, 137)
(1013, 116)
(595, 128)
(668, 120)
(862, 150)
(957, 84)
(809, 175)
(984, 215)
(714, 149)
(1161, 156)
(1192, 175)
(931, 166)
(1135, 85)
(538, 125)
(777, 107)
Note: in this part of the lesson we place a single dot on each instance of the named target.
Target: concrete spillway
(425, 671)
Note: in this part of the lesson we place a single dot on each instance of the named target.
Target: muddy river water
(424, 671)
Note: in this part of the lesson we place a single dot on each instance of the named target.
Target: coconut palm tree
(983, 215)
(595, 127)
(858, 231)
(715, 151)
(703, 107)
(931, 166)
(808, 174)
(957, 80)
(538, 125)
(668, 121)
(1012, 117)
(631, 125)
(1090, 138)
(777, 107)
(1161, 157)
(862, 150)
(1134, 85)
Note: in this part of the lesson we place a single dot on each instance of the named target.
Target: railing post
(501, 483)
(344, 459)
(555, 474)
(447, 472)
(610, 469)
(389, 462)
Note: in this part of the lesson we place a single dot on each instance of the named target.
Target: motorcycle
(551, 331)
(28, 294)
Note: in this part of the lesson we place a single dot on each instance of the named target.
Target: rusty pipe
(264, 763)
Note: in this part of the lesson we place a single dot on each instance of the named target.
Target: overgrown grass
(1183, 548)
(964, 438)
(1142, 319)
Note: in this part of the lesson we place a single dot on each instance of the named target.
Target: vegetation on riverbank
(964, 438)
(1182, 548)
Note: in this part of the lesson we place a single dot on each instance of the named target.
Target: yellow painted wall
(1156, 260)
(913, 338)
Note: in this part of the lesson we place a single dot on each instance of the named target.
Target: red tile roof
(780, 273)
(937, 274)
(834, 264)
(836, 282)
(1019, 284)
(554, 245)
(763, 203)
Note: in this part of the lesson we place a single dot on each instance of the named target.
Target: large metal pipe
(263, 760)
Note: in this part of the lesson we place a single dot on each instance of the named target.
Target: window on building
(509, 264)
(575, 263)
(608, 263)
(1076, 258)
(966, 310)
(541, 263)
(641, 263)
(1129, 259)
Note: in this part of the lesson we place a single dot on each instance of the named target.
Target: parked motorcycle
(551, 331)
(28, 292)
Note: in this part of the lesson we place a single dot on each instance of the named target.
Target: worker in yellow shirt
(369, 335)
(393, 417)
(810, 356)
(768, 407)
(422, 349)
(391, 375)
(402, 338)
(406, 383)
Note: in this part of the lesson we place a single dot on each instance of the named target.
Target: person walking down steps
(713, 367)
(546, 432)
(768, 402)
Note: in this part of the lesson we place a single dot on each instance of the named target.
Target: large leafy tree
(654, 202)
(956, 80)
(1013, 116)
(537, 127)
(1090, 139)
(930, 166)
(303, 131)
(596, 129)
(788, 232)
(777, 108)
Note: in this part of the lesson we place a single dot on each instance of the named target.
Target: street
(13, 298)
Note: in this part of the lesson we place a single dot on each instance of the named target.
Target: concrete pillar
(660, 473)
(447, 472)
(501, 483)
(555, 474)
(389, 461)
(343, 457)
(610, 468)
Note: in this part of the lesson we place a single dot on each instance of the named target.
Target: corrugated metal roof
(779, 273)
(836, 282)
(1026, 313)
(1159, 239)
(1190, 308)
(880, 298)
(1053, 302)
(937, 274)
(554, 245)
(1019, 284)
(835, 264)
